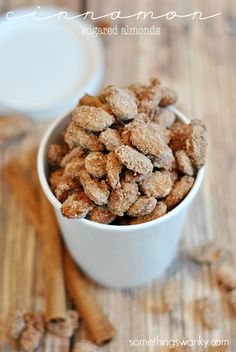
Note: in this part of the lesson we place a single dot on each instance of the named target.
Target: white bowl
(46, 65)
(118, 256)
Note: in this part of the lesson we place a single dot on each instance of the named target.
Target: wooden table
(197, 58)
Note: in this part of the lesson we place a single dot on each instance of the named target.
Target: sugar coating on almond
(121, 199)
(31, 336)
(192, 138)
(147, 139)
(76, 206)
(179, 191)
(133, 159)
(131, 176)
(157, 185)
(90, 100)
(55, 178)
(196, 145)
(178, 135)
(164, 117)
(137, 89)
(65, 187)
(95, 190)
(159, 210)
(102, 215)
(113, 170)
(111, 139)
(165, 160)
(162, 131)
(92, 118)
(72, 155)
(122, 104)
(174, 174)
(150, 99)
(184, 164)
(55, 154)
(168, 97)
(74, 167)
(95, 164)
(144, 205)
(77, 136)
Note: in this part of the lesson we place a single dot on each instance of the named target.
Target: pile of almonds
(125, 158)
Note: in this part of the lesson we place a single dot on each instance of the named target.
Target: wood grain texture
(197, 58)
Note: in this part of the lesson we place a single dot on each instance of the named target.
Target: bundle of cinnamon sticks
(60, 271)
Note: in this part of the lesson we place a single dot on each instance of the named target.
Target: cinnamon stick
(53, 264)
(18, 180)
(43, 219)
(96, 322)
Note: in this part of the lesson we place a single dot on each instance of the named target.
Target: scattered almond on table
(226, 276)
(208, 310)
(209, 252)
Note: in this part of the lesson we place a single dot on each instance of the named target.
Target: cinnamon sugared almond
(121, 199)
(159, 210)
(122, 104)
(76, 206)
(31, 337)
(55, 154)
(164, 117)
(113, 170)
(196, 145)
(92, 118)
(55, 178)
(226, 276)
(110, 138)
(147, 139)
(102, 215)
(134, 177)
(64, 328)
(149, 99)
(165, 160)
(77, 136)
(73, 154)
(73, 168)
(65, 187)
(134, 160)
(179, 191)
(209, 252)
(157, 185)
(184, 163)
(144, 205)
(95, 164)
(16, 323)
(168, 97)
(97, 191)
(209, 312)
(90, 100)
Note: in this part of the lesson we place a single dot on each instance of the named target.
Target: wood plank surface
(197, 58)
